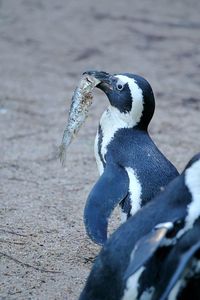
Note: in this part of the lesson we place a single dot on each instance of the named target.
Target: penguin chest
(108, 127)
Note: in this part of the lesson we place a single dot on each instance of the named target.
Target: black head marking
(120, 97)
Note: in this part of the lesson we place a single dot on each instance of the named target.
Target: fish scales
(81, 101)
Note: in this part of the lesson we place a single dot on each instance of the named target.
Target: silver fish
(81, 101)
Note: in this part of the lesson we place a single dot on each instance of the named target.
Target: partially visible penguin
(131, 263)
(175, 257)
(180, 271)
(165, 263)
(132, 168)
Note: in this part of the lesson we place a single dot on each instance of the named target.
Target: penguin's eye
(120, 87)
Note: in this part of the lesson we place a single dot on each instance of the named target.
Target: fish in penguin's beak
(106, 80)
(80, 104)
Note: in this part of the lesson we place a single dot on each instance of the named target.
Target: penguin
(132, 169)
(121, 269)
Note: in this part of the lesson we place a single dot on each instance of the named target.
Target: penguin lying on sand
(122, 270)
(132, 168)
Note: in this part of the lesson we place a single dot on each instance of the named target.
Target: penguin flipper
(110, 190)
(146, 247)
(178, 267)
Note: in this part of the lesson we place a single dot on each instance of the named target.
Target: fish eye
(120, 87)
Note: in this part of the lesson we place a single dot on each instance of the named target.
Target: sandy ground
(44, 47)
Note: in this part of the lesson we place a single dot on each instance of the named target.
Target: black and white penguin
(172, 268)
(132, 168)
(122, 270)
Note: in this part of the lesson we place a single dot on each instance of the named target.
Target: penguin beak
(106, 80)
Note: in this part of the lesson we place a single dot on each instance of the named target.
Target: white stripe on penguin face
(137, 99)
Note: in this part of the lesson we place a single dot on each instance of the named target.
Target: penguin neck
(112, 117)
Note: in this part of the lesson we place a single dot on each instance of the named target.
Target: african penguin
(132, 169)
(175, 261)
(122, 269)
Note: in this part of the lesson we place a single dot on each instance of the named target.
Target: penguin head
(130, 95)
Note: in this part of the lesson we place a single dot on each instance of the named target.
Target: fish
(80, 104)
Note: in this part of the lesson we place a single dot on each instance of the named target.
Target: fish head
(87, 83)
(130, 94)
(106, 81)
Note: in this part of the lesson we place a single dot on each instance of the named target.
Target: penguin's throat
(117, 119)
(111, 121)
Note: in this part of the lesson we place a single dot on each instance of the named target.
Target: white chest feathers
(110, 123)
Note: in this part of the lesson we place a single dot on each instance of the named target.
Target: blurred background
(45, 46)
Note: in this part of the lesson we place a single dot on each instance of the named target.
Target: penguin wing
(111, 188)
(174, 268)
(146, 247)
